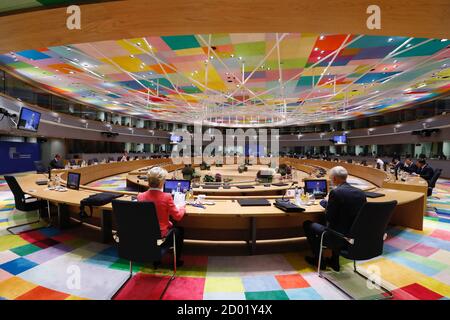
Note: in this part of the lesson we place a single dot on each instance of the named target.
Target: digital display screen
(340, 139)
(28, 120)
(73, 180)
(317, 187)
(171, 185)
(175, 139)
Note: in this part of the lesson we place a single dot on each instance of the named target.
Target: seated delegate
(409, 166)
(56, 163)
(165, 209)
(425, 171)
(342, 207)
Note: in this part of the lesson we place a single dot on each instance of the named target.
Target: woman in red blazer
(165, 209)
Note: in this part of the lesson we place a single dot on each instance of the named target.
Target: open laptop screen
(171, 185)
(73, 180)
(318, 187)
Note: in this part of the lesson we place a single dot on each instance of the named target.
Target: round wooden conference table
(225, 219)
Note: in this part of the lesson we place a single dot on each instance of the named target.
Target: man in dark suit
(409, 166)
(425, 170)
(56, 163)
(342, 207)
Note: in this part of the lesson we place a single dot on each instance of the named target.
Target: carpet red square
(143, 287)
(185, 288)
(421, 293)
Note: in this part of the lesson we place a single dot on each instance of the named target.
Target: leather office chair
(432, 184)
(137, 224)
(24, 203)
(40, 168)
(72, 162)
(366, 237)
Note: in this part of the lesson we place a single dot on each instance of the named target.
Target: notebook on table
(279, 184)
(245, 187)
(374, 194)
(253, 202)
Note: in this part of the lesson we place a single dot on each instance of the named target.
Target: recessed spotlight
(408, 45)
(390, 40)
(71, 72)
(138, 44)
(240, 58)
(131, 55)
(444, 40)
(322, 37)
(232, 55)
(316, 49)
(318, 58)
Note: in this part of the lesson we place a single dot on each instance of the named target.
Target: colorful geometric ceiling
(269, 79)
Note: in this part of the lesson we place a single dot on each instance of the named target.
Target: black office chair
(40, 168)
(24, 203)
(72, 162)
(110, 159)
(137, 224)
(95, 160)
(432, 184)
(366, 237)
(119, 159)
(90, 162)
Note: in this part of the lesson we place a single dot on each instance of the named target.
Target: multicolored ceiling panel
(268, 79)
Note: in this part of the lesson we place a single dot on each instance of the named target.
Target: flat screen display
(317, 187)
(340, 140)
(28, 120)
(175, 139)
(73, 180)
(171, 185)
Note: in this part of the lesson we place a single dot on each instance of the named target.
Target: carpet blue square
(260, 283)
(18, 265)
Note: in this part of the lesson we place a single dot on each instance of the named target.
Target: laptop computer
(172, 184)
(253, 202)
(317, 187)
(73, 180)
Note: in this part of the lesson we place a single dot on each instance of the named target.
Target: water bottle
(297, 197)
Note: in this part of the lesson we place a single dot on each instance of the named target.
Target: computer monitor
(28, 120)
(73, 180)
(172, 184)
(340, 140)
(318, 187)
(175, 138)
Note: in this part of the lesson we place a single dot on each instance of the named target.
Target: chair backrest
(19, 195)
(368, 230)
(90, 162)
(138, 229)
(40, 168)
(437, 174)
(72, 162)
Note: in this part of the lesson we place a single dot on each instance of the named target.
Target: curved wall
(61, 125)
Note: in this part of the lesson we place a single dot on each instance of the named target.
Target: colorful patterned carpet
(49, 264)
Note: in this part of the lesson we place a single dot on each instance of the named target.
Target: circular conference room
(193, 150)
